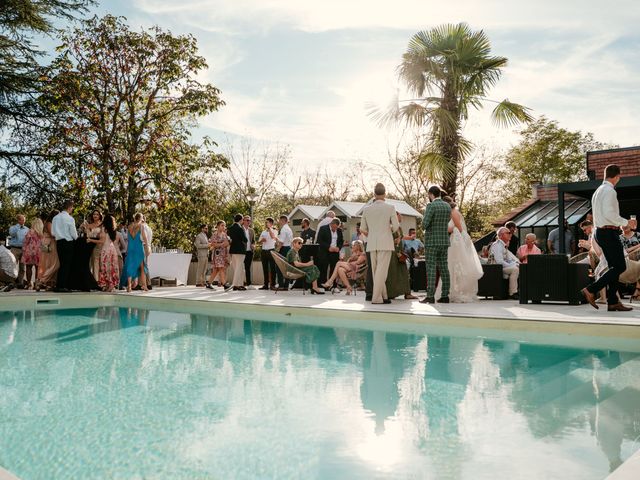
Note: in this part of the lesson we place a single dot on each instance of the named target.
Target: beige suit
(379, 220)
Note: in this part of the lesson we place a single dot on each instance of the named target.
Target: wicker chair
(289, 271)
(579, 258)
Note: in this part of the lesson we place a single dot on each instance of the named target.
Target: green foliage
(546, 153)
(122, 104)
(449, 69)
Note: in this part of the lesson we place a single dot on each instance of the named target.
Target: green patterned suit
(436, 245)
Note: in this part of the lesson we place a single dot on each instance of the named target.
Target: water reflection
(237, 396)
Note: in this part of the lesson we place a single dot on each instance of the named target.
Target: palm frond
(508, 114)
(435, 166)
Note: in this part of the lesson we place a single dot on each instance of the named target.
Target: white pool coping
(581, 326)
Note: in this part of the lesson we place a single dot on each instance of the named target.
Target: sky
(301, 73)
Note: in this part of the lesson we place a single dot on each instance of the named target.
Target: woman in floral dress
(219, 243)
(109, 256)
(31, 251)
(49, 263)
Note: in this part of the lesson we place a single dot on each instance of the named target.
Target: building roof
(350, 209)
(312, 212)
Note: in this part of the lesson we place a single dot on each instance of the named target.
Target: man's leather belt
(610, 227)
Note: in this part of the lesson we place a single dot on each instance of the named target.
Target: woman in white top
(267, 241)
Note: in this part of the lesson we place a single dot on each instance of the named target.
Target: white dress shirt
(286, 235)
(16, 235)
(502, 255)
(248, 236)
(334, 238)
(63, 227)
(269, 243)
(606, 210)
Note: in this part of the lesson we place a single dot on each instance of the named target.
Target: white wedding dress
(465, 268)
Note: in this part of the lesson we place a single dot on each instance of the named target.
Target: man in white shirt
(8, 266)
(63, 228)
(325, 221)
(268, 241)
(285, 237)
(17, 233)
(510, 263)
(607, 220)
(202, 251)
(251, 242)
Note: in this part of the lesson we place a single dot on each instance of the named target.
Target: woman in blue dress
(134, 269)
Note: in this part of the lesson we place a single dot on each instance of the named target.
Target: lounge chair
(289, 271)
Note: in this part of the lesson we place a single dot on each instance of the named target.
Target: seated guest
(630, 238)
(529, 248)
(514, 243)
(308, 234)
(311, 271)
(8, 266)
(509, 262)
(412, 242)
(484, 255)
(329, 244)
(346, 270)
(553, 241)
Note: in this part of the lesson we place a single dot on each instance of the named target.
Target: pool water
(131, 393)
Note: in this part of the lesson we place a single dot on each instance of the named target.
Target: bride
(464, 265)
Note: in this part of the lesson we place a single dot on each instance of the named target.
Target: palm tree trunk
(450, 141)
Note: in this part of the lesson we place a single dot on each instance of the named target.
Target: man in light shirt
(17, 233)
(510, 263)
(201, 244)
(63, 228)
(607, 220)
(285, 237)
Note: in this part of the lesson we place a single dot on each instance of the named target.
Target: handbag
(402, 257)
(45, 247)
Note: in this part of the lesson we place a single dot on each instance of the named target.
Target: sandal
(636, 295)
(349, 291)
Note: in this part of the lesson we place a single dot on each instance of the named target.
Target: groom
(436, 244)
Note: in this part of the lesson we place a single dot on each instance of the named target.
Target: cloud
(224, 15)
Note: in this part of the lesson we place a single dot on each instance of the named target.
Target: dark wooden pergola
(628, 196)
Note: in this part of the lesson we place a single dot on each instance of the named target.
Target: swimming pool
(133, 393)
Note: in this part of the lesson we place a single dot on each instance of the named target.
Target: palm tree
(449, 70)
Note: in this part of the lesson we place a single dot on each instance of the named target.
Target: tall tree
(122, 104)
(449, 69)
(21, 75)
(546, 153)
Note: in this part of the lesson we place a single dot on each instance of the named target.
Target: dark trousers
(268, 267)
(368, 286)
(65, 256)
(327, 263)
(609, 241)
(282, 283)
(248, 261)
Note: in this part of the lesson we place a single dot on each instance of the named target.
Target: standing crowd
(56, 253)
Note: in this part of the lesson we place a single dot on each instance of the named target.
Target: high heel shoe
(316, 292)
(635, 296)
(349, 291)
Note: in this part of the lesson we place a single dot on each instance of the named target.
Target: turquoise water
(131, 394)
